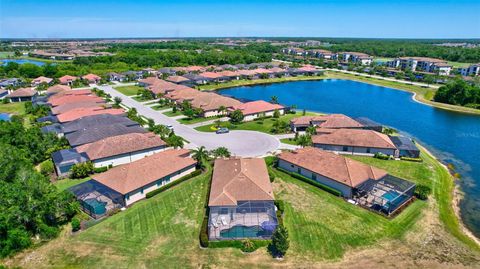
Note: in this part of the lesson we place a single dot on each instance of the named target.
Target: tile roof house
(77, 113)
(178, 79)
(210, 103)
(66, 99)
(182, 94)
(406, 146)
(67, 80)
(57, 88)
(134, 180)
(40, 80)
(22, 95)
(354, 141)
(83, 104)
(99, 132)
(122, 149)
(92, 78)
(332, 121)
(96, 120)
(241, 194)
(258, 109)
(330, 169)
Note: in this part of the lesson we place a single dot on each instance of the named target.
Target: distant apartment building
(355, 57)
(294, 51)
(424, 64)
(322, 54)
(472, 70)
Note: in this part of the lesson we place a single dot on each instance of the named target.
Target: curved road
(240, 143)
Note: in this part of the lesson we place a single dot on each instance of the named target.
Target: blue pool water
(95, 206)
(240, 231)
(390, 195)
(4, 117)
(21, 61)
(453, 137)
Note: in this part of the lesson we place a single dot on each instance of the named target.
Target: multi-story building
(472, 70)
(424, 64)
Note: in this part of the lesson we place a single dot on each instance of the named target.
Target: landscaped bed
(197, 120)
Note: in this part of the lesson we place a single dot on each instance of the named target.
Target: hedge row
(312, 182)
(411, 159)
(174, 183)
(257, 243)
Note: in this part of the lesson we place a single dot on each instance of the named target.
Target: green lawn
(140, 99)
(66, 183)
(172, 114)
(197, 120)
(129, 90)
(160, 107)
(6, 54)
(13, 108)
(264, 125)
(289, 141)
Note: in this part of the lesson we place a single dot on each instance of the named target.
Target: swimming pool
(95, 206)
(395, 200)
(240, 231)
(4, 117)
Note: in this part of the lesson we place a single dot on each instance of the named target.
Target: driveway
(240, 143)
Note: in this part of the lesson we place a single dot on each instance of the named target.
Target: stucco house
(257, 109)
(241, 201)
(67, 80)
(92, 78)
(40, 80)
(331, 121)
(22, 95)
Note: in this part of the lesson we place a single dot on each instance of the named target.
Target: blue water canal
(21, 61)
(453, 137)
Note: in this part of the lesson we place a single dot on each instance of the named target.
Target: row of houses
(424, 64)
(341, 134)
(138, 161)
(347, 56)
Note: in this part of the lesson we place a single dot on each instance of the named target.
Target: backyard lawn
(264, 125)
(129, 90)
(13, 108)
(66, 183)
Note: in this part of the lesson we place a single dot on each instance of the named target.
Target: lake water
(4, 117)
(452, 137)
(21, 61)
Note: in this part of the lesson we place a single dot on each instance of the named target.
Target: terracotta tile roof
(278, 70)
(70, 93)
(69, 106)
(183, 94)
(121, 144)
(262, 71)
(247, 72)
(211, 75)
(129, 177)
(91, 77)
(58, 88)
(328, 121)
(42, 80)
(67, 78)
(211, 101)
(149, 80)
(73, 99)
(22, 92)
(259, 106)
(423, 59)
(336, 167)
(236, 180)
(177, 79)
(228, 73)
(353, 137)
(89, 111)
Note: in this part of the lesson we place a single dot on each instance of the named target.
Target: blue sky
(142, 18)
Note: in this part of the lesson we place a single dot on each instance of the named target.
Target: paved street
(240, 143)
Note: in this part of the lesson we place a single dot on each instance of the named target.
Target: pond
(21, 61)
(452, 137)
(4, 117)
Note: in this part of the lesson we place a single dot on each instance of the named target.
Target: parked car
(222, 131)
(170, 127)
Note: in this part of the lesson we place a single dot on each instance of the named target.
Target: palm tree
(222, 109)
(221, 152)
(304, 140)
(274, 99)
(200, 154)
(311, 130)
(175, 141)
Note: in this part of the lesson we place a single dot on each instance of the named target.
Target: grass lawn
(66, 183)
(129, 90)
(172, 114)
(140, 99)
(247, 82)
(6, 54)
(197, 120)
(459, 64)
(13, 108)
(264, 125)
(289, 141)
(160, 107)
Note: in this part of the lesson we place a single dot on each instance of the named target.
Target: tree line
(459, 92)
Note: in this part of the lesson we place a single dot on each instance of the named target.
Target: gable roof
(353, 137)
(96, 120)
(177, 79)
(65, 79)
(259, 106)
(328, 121)
(77, 113)
(22, 92)
(83, 104)
(212, 101)
(42, 79)
(95, 133)
(336, 167)
(58, 88)
(73, 99)
(91, 77)
(132, 176)
(236, 180)
(121, 144)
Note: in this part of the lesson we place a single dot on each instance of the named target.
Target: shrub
(312, 182)
(75, 224)
(256, 244)
(422, 191)
(276, 114)
(411, 159)
(271, 176)
(236, 116)
(204, 233)
(248, 245)
(174, 183)
(100, 169)
(46, 167)
(381, 156)
(280, 243)
(81, 170)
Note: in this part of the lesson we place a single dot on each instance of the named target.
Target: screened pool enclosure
(249, 219)
(386, 195)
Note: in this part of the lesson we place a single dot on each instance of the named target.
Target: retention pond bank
(453, 137)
